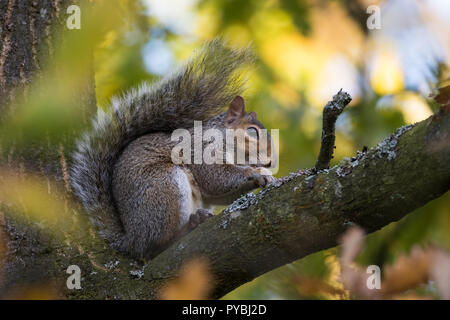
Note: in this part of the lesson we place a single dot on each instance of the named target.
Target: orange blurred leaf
(194, 282)
(407, 272)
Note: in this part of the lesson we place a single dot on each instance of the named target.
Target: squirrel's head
(251, 138)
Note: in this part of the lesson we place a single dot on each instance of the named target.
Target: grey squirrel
(122, 170)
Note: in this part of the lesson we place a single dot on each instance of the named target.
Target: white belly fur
(190, 199)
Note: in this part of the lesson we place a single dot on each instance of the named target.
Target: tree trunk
(30, 38)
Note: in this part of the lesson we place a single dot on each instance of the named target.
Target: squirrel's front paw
(262, 177)
(199, 217)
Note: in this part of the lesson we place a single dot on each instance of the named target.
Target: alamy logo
(374, 20)
(74, 280)
(253, 146)
(74, 20)
(374, 280)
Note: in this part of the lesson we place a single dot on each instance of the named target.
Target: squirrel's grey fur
(122, 170)
(198, 90)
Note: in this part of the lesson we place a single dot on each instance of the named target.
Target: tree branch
(330, 114)
(300, 214)
(306, 212)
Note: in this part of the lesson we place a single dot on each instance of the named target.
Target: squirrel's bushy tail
(198, 90)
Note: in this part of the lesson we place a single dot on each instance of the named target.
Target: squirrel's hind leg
(155, 202)
(189, 203)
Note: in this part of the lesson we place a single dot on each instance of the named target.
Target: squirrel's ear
(236, 110)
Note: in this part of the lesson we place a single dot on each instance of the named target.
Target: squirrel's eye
(252, 132)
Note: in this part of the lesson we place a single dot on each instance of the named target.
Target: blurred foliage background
(306, 51)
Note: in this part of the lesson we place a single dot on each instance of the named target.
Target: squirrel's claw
(262, 177)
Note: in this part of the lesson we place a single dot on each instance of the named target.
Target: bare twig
(330, 114)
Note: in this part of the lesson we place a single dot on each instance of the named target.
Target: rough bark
(300, 214)
(27, 31)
